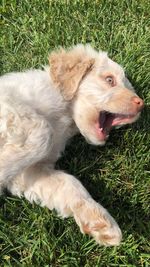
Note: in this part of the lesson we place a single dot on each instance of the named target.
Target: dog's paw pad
(98, 223)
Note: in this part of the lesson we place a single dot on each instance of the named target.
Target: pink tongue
(120, 118)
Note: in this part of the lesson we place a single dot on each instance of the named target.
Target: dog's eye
(110, 80)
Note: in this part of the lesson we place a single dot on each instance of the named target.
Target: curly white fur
(40, 110)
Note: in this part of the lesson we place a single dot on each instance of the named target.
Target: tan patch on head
(67, 69)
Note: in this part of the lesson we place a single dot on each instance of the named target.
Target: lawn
(116, 175)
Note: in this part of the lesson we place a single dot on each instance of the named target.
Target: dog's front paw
(94, 220)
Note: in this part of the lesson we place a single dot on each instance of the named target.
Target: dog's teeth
(101, 129)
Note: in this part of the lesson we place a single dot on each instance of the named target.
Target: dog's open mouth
(108, 120)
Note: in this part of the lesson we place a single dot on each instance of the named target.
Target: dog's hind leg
(25, 138)
(64, 193)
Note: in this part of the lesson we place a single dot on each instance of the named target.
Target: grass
(118, 174)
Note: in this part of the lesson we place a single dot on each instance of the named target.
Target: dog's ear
(67, 69)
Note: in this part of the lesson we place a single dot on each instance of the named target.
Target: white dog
(82, 91)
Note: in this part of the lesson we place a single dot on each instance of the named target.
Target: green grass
(118, 174)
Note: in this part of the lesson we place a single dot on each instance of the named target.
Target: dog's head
(101, 95)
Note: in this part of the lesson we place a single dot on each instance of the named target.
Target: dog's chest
(64, 128)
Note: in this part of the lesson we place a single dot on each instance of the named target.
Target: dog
(82, 90)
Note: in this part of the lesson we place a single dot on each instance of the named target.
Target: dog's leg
(64, 193)
(25, 138)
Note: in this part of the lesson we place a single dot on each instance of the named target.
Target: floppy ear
(67, 70)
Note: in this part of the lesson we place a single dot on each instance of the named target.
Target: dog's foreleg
(64, 193)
